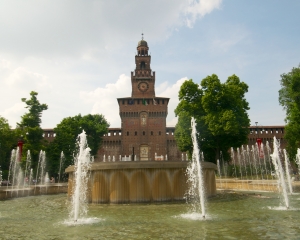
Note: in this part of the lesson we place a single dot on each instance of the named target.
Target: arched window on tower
(143, 52)
(142, 65)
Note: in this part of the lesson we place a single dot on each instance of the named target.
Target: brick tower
(143, 115)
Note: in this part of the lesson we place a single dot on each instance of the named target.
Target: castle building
(143, 135)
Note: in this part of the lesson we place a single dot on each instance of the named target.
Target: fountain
(195, 177)
(279, 172)
(151, 221)
(61, 163)
(82, 166)
(15, 174)
(287, 171)
(298, 159)
(27, 169)
(0, 177)
(138, 181)
(40, 173)
(20, 181)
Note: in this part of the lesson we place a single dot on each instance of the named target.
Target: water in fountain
(255, 161)
(46, 179)
(279, 172)
(244, 161)
(233, 160)
(30, 176)
(298, 159)
(267, 166)
(248, 159)
(104, 158)
(195, 178)
(0, 176)
(27, 169)
(259, 156)
(40, 173)
(240, 165)
(61, 164)
(113, 159)
(287, 171)
(15, 171)
(82, 165)
(219, 171)
(233, 216)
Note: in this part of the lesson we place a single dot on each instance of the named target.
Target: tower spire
(142, 36)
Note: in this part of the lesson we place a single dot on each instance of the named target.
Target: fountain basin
(13, 192)
(124, 182)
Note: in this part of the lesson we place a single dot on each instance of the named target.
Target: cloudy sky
(78, 54)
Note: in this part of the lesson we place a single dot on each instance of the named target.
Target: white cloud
(70, 27)
(104, 99)
(13, 113)
(26, 80)
(16, 83)
(171, 91)
(199, 8)
(5, 64)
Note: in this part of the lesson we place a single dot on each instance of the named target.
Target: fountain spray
(298, 159)
(82, 166)
(61, 164)
(287, 171)
(279, 171)
(195, 170)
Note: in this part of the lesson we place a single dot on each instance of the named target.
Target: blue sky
(78, 55)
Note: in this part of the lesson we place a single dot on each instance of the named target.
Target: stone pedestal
(125, 182)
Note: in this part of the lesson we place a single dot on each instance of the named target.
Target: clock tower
(143, 79)
(143, 115)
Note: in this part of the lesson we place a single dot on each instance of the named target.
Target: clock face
(143, 86)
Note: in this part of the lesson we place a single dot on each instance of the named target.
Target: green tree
(67, 132)
(8, 141)
(31, 129)
(289, 98)
(220, 110)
